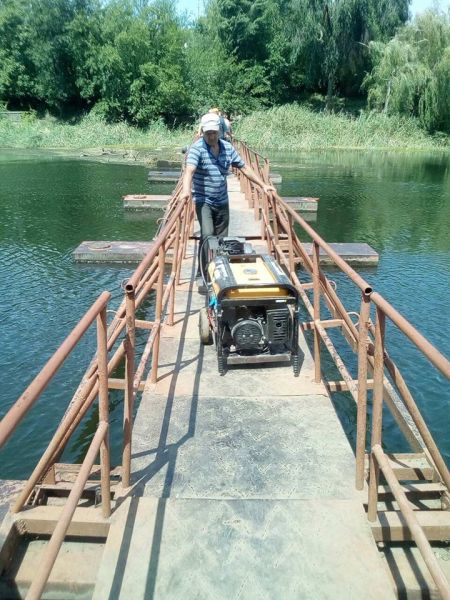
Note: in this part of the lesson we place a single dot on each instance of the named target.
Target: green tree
(36, 55)
(85, 41)
(330, 39)
(411, 73)
(16, 72)
(124, 57)
(239, 55)
(49, 51)
(141, 68)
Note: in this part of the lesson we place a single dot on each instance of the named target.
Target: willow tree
(411, 73)
(330, 38)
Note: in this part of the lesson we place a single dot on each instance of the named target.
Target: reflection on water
(398, 203)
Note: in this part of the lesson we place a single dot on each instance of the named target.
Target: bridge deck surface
(244, 484)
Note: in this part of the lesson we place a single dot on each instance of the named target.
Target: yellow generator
(251, 307)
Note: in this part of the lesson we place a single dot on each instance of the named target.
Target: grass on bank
(295, 127)
(289, 127)
(90, 132)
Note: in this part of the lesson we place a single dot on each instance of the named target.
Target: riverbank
(92, 138)
(294, 127)
(290, 128)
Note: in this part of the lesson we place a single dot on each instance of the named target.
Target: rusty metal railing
(54, 545)
(277, 229)
(100, 442)
(150, 276)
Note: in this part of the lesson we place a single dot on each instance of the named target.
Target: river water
(397, 203)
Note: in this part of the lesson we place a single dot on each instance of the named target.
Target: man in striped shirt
(207, 164)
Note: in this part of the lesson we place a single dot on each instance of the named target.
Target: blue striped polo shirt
(210, 176)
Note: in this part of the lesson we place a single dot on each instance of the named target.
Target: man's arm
(250, 173)
(187, 181)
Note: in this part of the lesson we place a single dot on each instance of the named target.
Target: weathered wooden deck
(243, 484)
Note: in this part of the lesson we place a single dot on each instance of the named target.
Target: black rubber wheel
(221, 364)
(296, 364)
(204, 328)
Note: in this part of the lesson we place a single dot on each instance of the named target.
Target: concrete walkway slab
(241, 447)
(230, 549)
(190, 368)
(242, 221)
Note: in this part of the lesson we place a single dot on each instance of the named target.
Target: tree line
(139, 61)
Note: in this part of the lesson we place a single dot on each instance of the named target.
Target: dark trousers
(213, 221)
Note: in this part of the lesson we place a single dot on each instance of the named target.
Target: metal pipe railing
(377, 412)
(361, 419)
(89, 388)
(153, 253)
(130, 351)
(433, 355)
(103, 411)
(20, 408)
(413, 524)
(274, 222)
(150, 271)
(55, 543)
(337, 309)
(436, 358)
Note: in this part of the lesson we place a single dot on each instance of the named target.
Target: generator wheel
(296, 364)
(204, 328)
(221, 364)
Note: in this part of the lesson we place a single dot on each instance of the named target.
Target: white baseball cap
(210, 122)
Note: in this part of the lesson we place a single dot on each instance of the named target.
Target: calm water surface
(399, 204)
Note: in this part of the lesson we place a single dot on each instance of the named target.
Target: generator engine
(251, 308)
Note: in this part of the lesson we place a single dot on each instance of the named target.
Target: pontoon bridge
(240, 486)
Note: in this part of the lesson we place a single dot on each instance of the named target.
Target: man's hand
(250, 173)
(187, 182)
(268, 188)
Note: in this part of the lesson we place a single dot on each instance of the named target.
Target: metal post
(275, 220)
(174, 274)
(103, 407)
(361, 420)
(251, 194)
(377, 413)
(53, 546)
(265, 219)
(130, 349)
(256, 194)
(189, 225)
(183, 245)
(414, 526)
(190, 230)
(316, 288)
(290, 231)
(158, 313)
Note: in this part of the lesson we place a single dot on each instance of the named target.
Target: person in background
(225, 125)
(207, 164)
(229, 131)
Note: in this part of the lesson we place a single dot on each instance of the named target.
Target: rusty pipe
(51, 551)
(19, 409)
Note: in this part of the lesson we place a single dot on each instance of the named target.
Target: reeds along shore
(288, 127)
